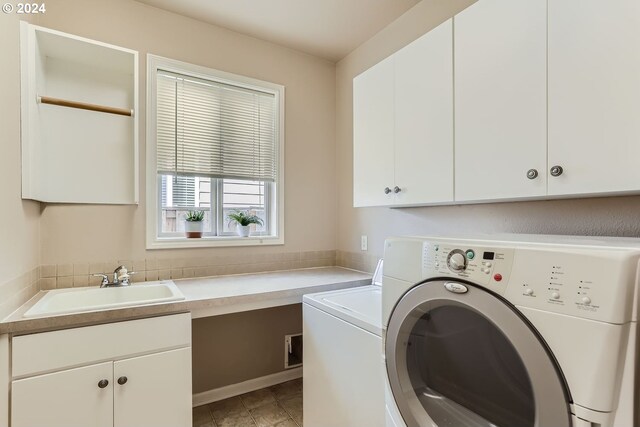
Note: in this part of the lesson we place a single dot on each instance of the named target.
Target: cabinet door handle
(397, 189)
(387, 190)
(103, 383)
(556, 170)
(122, 380)
(532, 173)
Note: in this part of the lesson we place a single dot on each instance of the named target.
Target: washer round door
(458, 355)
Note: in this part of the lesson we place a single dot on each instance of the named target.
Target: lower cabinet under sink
(132, 373)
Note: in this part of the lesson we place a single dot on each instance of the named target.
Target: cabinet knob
(387, 190)
(397, 189)
(122, 380)
(556, 170)
(532, 173)
(103, 383)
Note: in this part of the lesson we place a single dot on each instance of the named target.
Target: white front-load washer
(343, 374)
(525, 331)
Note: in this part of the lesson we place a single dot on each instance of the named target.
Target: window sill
(212, 242)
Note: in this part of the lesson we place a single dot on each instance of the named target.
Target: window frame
(269, 209)
(153, 208)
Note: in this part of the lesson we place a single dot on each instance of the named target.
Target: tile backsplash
(16, 292)
(361, 261)
(57, 276)
(78, 275)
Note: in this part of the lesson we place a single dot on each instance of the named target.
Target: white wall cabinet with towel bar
(79, 105)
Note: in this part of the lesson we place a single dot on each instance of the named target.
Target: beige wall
(80, 234)
(615, 216)
(19, 228)
(238, 347)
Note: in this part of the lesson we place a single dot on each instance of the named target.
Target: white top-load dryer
(526, 331)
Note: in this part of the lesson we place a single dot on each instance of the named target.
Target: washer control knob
(586, 300)
(528, 291)
(457, 260)
(555, 295)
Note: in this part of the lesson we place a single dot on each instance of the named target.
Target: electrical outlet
(363, 243)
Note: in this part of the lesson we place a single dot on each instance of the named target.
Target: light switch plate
(363, 243)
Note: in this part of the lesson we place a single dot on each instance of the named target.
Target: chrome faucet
(121, 277)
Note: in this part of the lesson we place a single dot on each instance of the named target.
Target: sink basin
(65, 301)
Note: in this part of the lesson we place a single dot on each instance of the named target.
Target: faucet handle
(125, 277)
(105, 278)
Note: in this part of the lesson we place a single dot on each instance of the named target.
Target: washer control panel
(590, 284)
(487, 266)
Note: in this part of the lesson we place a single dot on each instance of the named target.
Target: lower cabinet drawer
(51, 351)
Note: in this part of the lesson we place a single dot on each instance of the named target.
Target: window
(214, 143)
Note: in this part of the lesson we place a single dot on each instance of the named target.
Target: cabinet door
(500, 99)
(373, 116)
(70, 398)
(594, 95)
(157, 391)
(424, 118)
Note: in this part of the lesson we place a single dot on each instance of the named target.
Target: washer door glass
(469, 359)
(465, 372)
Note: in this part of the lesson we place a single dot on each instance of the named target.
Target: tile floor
(276, 406)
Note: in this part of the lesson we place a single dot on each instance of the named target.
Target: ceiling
(326, 28)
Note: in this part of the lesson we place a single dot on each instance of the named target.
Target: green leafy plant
(244, 218)
(195, 216)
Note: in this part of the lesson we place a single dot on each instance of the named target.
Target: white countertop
(208, 296)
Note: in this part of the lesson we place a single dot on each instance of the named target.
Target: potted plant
(243, 221)
(194, 224)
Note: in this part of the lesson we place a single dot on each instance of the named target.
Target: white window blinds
(211, 129)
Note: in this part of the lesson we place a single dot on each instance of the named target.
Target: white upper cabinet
(403, 125)
(373, 135)
(424, 119)
(542, 101)
(79, 118)
(500, 100)
(594, 95)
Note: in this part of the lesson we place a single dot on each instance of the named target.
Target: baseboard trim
(231, 390)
